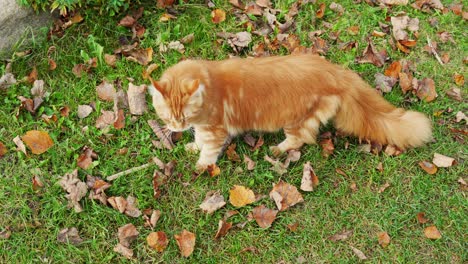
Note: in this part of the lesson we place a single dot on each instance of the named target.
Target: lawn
(341, 201)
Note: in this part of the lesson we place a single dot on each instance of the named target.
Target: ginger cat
(295, 93)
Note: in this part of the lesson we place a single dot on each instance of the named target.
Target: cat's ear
(193, 87)
(159, 86)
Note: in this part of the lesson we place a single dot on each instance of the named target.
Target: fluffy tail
(368, 115)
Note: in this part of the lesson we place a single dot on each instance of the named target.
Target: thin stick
(429, 43)
(123, 173)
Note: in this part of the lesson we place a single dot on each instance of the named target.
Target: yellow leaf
(240, 196)
(38, 141)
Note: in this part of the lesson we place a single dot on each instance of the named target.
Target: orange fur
(293, 93)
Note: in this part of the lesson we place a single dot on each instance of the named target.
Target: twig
(433, 50)
(123, 173)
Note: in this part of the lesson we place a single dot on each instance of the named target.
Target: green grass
(35, 217)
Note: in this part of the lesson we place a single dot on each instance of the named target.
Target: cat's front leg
(197, 145)
(213, 139)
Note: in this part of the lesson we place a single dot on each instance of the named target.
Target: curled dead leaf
(157, 240)
(213, 201)
(186, 242)
(223, 228)
(218, 16)
(421, 217)
(309, 178)
(231, 153)
(264, 216)
(443, 161)
(285, 195)
(428, 167)
(137, 99)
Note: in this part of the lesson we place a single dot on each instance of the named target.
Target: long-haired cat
(294, 93)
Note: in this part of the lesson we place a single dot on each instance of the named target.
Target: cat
(296, 93)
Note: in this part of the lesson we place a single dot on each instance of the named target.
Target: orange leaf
(157, 240)
(327, 147)
(428, 167)
(384, 239)
(218, 16)
(223, 228)
(321, 11)
(393, 70)
(264, 216)
(459, 79)
(421, 216)
(240, 196)
(38, 141)
(213, 170)
(285, 195)
(431, 232)
(186, 242)
(232, 154)
(52, 65)
(32, 77)
(3, 149)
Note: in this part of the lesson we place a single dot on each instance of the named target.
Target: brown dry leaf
(353, 186)
(166, 17)
(321, 11)
(124, 251)
(383, 187)
(232, 154)
(127, 21)
(161, 134)
(218, 16)
(455, 94)
(400, 24)
(5, 234)
(359, 253)
(432, 232)
(461, 116)
(127, 234)
(38, 141)
(378, 34)
(237, 3)
(421, 217)
(253, 9)
(186, 242)
(213, 170)
(119, 122)
(394, 2)
(341, 236)
(371, 55)
(428, 167)
(309, 178)
(327, 147)
(137, 99)
(223, 228)
(383, 238)
(393, 70)
(7, 80)
(27, 104)
(213, 201)
(285, 195)
(32, 77)
(240, 196)
(459, 79)
(79, 69)
(69, 235)
(110, 59)
(147, 72)
(264, 216)
(337, 8)
(84, 111)
(75, 188)
(86, 158)
(293, 227)
(277, 166)
(106, 119)
(442, 161)
(405, 82)
(353, 30)
(380, 167)
(426, 90)
(157, 240)
(384, 83)
(20, 145)
(131, 208)
(118, 202)
(164, 3)
(64, 111)
(250, 163)
(106, 91)
(3, 149)
(52, 64)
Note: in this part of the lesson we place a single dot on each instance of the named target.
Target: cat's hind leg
(304, 133)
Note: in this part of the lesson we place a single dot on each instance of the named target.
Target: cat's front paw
(201, 167)
(192, 147)
(276, 151)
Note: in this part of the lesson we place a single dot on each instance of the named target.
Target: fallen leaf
(371, 55)
(124, 251)
(69, 235)
(127, 21)
(118, 202)
(459, 79)
(186, 242)
(86, 158)
(137, 99)
(176, 45)
(106, 119)
(321, 11)
(242, 39)
(421, 217)
(393, 70)
(131, 208)
(378, 34)
(253, 9)
(119, 122)
(445, 36)
(455, 94)
(428, 167)
(166, 17)
(394, 2)
(52, 64)
(442, 161)
(461, 116)
(240, 196)
(250, 163)
(32, 77)
(164, 3)
(213, 170)
(7, 80)
(3, 149)
(353, 186)
(20, 145)
(223, 228)
(400, 24)
(127, 234)
(237, 3)
(27, 104)
(384, 83)
(75, 188)
(353, 30)
(337, 8)
(213, 201)
(341, 236)
(5, 234)
(38, 141)
(432, 232)
(218, 16)
(383, 187)
(327, 147)
(157, 240)
(79, 69)
(380, 167)
(293, 227)
(309, 178)
(383, 238)
(277, 166)
(405, 82)
(84, 111)
(264, 216)
(64, 111)
(110, 59)
(147, 72)
(232, 154)
(285, 195)
(426, 90)
(106, 91)
(358, 253)
(161, 133)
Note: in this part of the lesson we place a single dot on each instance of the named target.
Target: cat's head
(178, 101)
